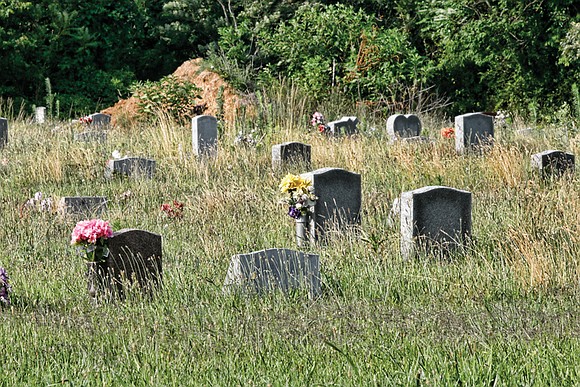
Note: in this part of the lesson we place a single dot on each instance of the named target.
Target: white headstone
(40, 114)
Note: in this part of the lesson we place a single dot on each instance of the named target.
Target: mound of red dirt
(126, 112)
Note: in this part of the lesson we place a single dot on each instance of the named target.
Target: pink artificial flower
(90, 232)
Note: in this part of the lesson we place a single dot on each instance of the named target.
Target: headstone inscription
(272, 269)
(434, 219)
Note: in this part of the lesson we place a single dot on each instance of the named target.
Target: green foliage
(170, 94)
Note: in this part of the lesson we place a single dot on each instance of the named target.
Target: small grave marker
(553, 163)
(135, 259)
(3, 132)
(344, 126)
(289, 153)
(40, 114)
(339, 199)
(401, 126)
(100, 120)
(271, 269)
(204, 135)
(434, 218)
(473, 131)
(91, 135)
(131, 167)
(88, 206)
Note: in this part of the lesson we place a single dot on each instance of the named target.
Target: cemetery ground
(503, 310)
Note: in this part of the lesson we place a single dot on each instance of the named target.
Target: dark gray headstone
(88, 206)
(289, 153)
(3, 132)
(100, 120)
(204, 135)
(344, 126)
(272, 269)
(434, 218)
(91, 135)
(553, 163)
(135, 257)
(131, 166)
(339, 199)
(403, 126)
(40, 115)
(473, 131)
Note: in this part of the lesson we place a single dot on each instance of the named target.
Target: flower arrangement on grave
(92, 235)
(39, 203)
(86, 120)
(319, 122)
(5, 288)
(300, 195)
(174, 211)
(448, 132)
(249, 139)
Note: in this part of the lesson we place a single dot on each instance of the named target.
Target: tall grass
(503, 311)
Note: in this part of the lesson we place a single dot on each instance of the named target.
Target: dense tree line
(483, 55)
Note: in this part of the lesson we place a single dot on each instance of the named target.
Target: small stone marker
(344, 126)
(289, 153)
(339, 199)
(131, 167)
(553, 163)
(40, 114)
(401, 126)
(434, 218)
(473, 131)
(88, 206)
(135, 257)
(3, 132)
(100, 120)
(204, 135)
(270, 269)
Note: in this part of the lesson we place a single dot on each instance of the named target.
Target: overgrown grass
(503, 311)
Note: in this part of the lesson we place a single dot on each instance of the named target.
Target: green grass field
(504, 310)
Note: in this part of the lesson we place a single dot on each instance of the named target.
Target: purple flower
(4, 287)
(294, 212)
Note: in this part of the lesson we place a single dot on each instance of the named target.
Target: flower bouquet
(319, 123)
(92, 235)
(300, 195)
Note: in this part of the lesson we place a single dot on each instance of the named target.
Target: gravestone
(40, 115)
(204, 135)
(289, 153)
(3, 132)
(100, 120)
(344, 126)
(135, 258)
(339, 199)
(271, 269)
(131, 166)
(401, 126)
(434, 219)
(553, 163)
(91, 135)
(473, 131)
(88, 206)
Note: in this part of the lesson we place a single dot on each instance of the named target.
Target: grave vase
(97, 270)
(304, 236)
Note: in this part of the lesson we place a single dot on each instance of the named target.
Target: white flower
(298, 206)
(116, 154)
(38, 196)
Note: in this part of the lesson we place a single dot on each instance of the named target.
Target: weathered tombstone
(131, 167)
(3, 132)
(82, 205)
(434, 219)
(526, 132)
(401, 126)
(100, 120)
(134, 260)
(204, 135)
(553, 163)
(289, 153)
(40, 115)
(91, 135)
(272, 269)
(344, 126)
(339, 199)
(473, 131)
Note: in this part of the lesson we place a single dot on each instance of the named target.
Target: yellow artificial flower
(292, 182)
